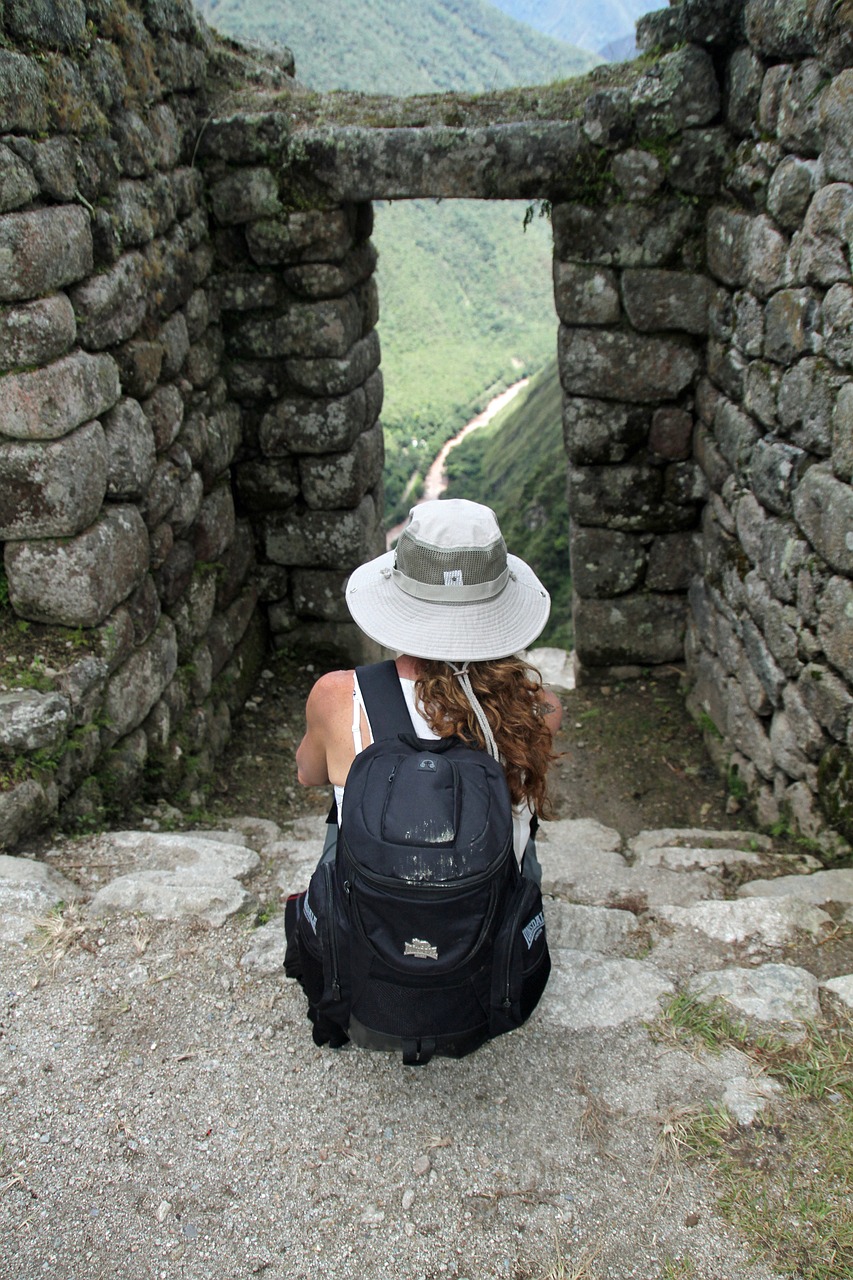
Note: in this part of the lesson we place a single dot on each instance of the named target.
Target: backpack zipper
(506, 1003)
(333, 941)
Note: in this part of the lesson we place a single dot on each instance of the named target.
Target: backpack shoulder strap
(384, 700)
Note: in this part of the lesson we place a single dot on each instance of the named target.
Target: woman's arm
(326, 751)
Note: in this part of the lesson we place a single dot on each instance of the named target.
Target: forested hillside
(516, 464)
(592, 24)
(401, 46)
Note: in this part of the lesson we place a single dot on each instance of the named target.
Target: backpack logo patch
(423, 950)
(532, 930)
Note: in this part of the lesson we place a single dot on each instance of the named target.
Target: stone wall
(770, 637)
(190, 386)
(130, 632)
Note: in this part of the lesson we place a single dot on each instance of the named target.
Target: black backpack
(421, 934)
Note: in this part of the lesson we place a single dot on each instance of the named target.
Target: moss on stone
(835, 789)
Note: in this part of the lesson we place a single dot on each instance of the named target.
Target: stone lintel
(499, 162)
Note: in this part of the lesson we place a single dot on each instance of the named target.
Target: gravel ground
(167, 1115)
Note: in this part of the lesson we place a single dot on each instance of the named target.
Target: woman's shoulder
(330, 690)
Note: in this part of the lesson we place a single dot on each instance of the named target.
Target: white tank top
(521, 814)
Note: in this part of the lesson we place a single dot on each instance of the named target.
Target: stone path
(531, 1135)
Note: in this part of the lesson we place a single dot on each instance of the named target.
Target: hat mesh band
(459, 566)
(452, 593)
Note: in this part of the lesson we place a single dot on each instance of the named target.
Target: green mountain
(516, 464)
(401, 47)
(592, 24)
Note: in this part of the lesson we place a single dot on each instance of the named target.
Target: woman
(455, 607)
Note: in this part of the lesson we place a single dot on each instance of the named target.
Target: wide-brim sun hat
(449, 590)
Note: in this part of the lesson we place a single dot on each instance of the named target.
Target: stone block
(697, 163)
(35, 333)
(585, 295)
(214, 528)
(247, 290)
(608, 118)
(187, 505)
(838, 325)
(798, 122)
(131, 451)
(53, 400)
(624, 366)
(42, 250)
(790, 191)
(727, 244)
(761, 383)
(606, 563)
(736, 436)
(827, 234)
(110, 306)
(223, 439)
(331, 279)
(165, 412)
(805, 401)
(174, 339)
(780, 28)
(622, 235)
(782, 555)
(674, 560)
(173, 575)
(678, 92)
(775, 471)
(139, 362)
(23, 94)
(842, 433)
(53, 489)
(742, 90)
(647, 628)
(268, 486)
(313, 235)
(826, 698)
(320, 593)
(748, 328)
(666, 300)
(76, 582)
(671, 434)
(306, 330)
(823, 509)
(638, 174)
(228, 629)
(245, 196)
(835, 628)
(766, 257)
(302, 425)
(336, 376)
(321, 539)
(235, 565)
(246, 136)
(746, 730)
(836, 116)
(18, 185)
(193, 613)
(341, 480)
(139, 683)
(791, 323)
(31, 721)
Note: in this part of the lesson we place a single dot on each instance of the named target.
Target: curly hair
(510, 694)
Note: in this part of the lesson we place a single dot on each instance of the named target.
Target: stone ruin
(190, 383)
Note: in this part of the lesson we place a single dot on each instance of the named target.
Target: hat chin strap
(461, 673)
